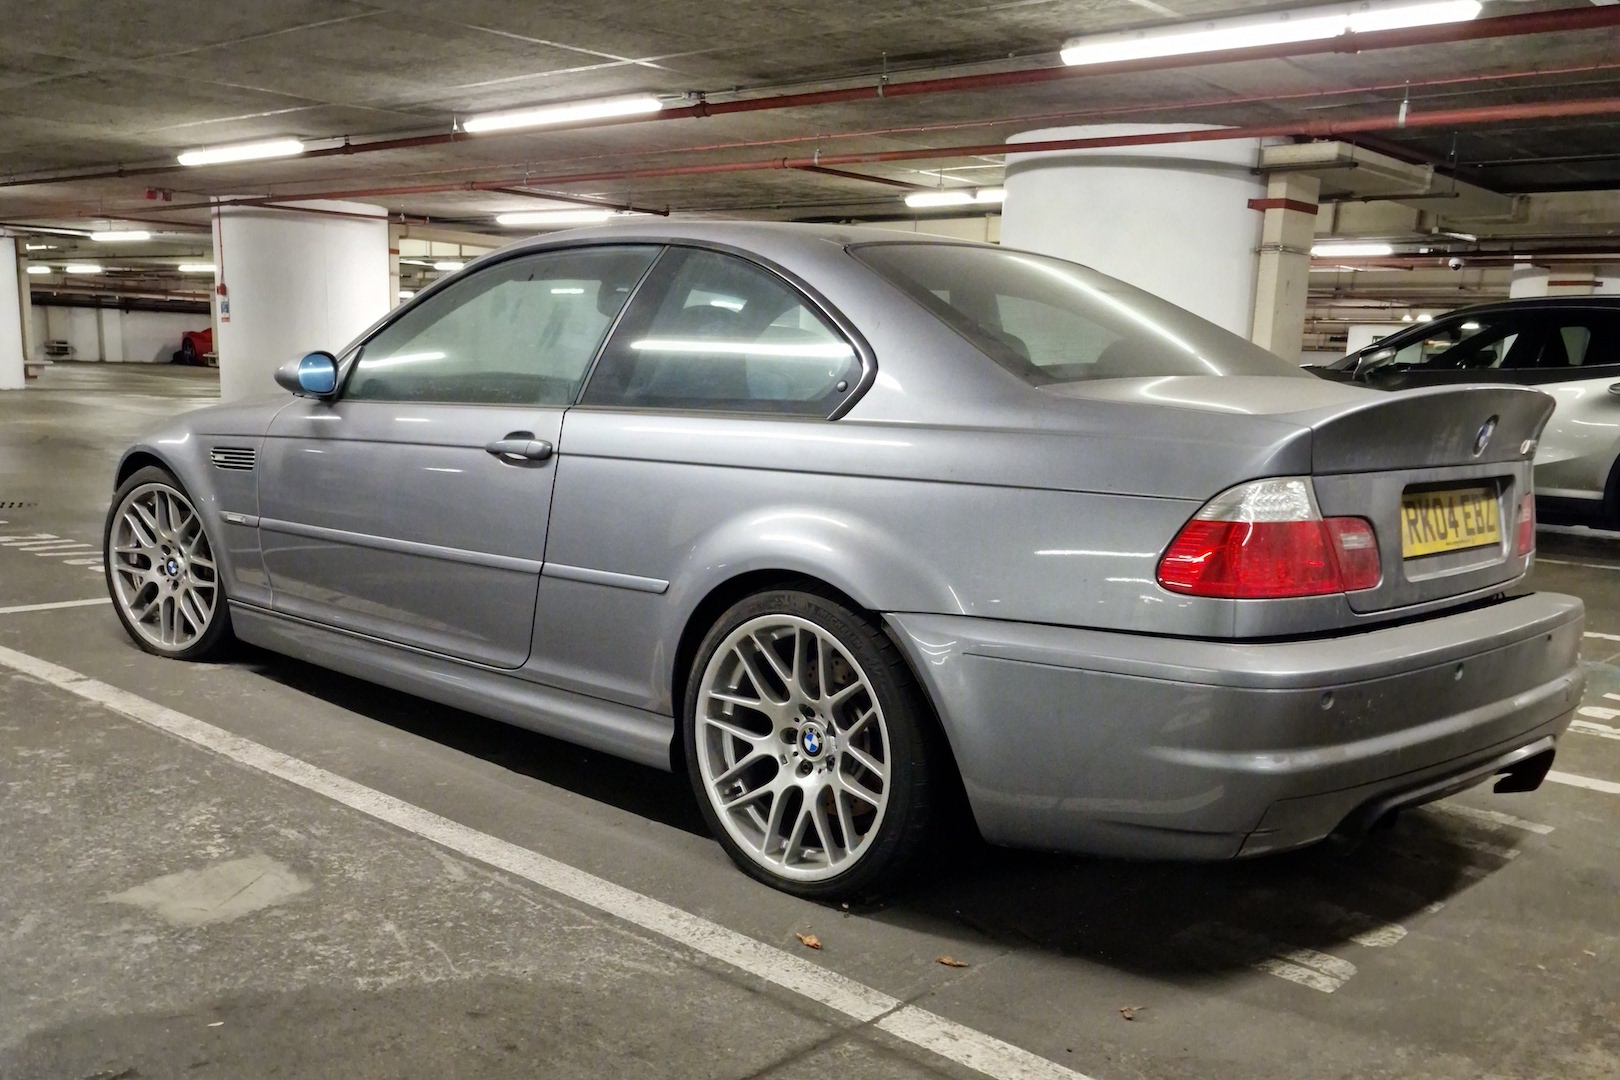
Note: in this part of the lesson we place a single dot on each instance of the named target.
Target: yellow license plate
(1454, 520)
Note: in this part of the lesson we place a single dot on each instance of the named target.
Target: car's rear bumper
(1133, 745)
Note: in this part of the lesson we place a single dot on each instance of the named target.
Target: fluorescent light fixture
(1425, 317)
(406, 294)
(1470, 326)
(82, 268)
(583, 216)
(1407, 317)
(958, 197)
(449, 264)
(196, 268)
(254, 151)
(568, 290)
(1274, 28)
(38, 269)
(571, 113)
(120, 236)
(816, 350)
(1351, 251)
(39, 247)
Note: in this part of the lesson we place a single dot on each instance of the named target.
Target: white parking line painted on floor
(955, 1042)
(1230, 944)
(1568, 562)
(20, 608)
(1605, 637)
(1494, 817)
(1507, 854)
(58, 552)
(1602, 731)
(1361, 928)
(1608, 787)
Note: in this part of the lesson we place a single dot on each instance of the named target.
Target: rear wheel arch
(723, 596)
(715, 603)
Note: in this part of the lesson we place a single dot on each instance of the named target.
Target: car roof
(764, 237)
(1537, 303)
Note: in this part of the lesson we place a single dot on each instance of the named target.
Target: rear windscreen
(1049, 321)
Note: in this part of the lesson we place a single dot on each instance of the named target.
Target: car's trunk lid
(1440, 473)
(1378, 455)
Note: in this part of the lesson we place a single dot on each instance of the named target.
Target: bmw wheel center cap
(812, 741)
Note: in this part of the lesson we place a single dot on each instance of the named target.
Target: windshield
(1464, 341)
(1049, 321)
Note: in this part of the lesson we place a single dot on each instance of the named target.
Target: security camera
(1455, 263)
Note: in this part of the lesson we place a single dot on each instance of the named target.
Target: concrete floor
(166, 911)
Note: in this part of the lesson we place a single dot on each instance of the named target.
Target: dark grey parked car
(834, 518)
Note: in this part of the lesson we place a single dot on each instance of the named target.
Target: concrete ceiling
(92, 87)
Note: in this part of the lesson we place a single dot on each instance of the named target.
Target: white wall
(130, 337)
(295, 283)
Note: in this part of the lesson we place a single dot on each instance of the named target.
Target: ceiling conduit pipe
(1562, 20)
(1323, 129)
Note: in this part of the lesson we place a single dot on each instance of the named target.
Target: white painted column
(1283, 278)
(294, 282)
(1173, 218)
(11, 316)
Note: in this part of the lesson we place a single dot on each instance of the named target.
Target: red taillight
(1527, 525)
(1357, 550)
(1290, 551)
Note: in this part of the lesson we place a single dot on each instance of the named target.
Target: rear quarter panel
(1582, 439)
(898, 517)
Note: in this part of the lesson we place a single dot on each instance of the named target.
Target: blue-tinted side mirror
(314, 375)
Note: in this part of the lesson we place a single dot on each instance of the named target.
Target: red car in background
(195, 348)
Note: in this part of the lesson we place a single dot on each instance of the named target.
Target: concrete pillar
(294, 282)
(32, 348)
(1283, 278)
(1173, 219)
(12, 283)
(1608, 281)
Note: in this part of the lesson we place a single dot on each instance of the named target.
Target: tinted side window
(521, 332)
(1581, 339)
(714, 332)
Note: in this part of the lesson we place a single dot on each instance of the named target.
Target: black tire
(915, 749)
(217, 634)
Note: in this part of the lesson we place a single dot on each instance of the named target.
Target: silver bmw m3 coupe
(849, 525)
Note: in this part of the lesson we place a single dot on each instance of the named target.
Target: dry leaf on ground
(1129, 1011)
(950, 961)
(809, 941)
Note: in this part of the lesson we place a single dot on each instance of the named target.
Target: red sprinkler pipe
(1562, 20)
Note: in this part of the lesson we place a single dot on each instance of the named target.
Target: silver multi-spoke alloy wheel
(161, 568)
(792, 748)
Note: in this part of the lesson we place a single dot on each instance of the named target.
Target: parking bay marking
(1495, 817)
(929, 1031)
(57, 605)
(1608, 787)
(49, 545)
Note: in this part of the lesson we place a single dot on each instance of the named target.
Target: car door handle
(520, 446)
(1614, 388)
